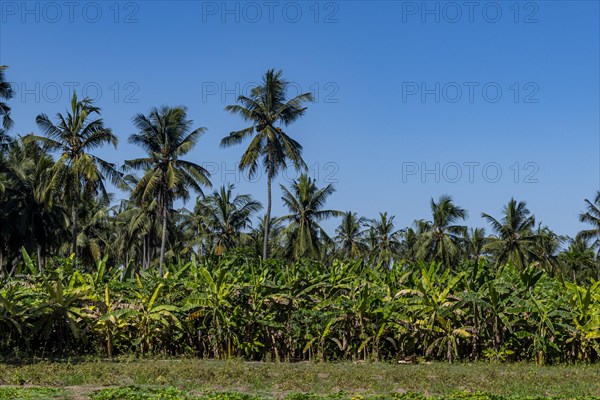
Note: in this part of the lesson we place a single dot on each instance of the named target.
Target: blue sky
(460, 92)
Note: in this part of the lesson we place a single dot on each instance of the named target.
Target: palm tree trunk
(267, 218)
(74, 206)
(39, 257)
(164, 239)
(475, 337)
(144, 252)
(74, 240)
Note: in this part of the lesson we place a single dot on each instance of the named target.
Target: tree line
(54, 201)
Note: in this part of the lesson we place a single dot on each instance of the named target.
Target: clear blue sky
(376, 68)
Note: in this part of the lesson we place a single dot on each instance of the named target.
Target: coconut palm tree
(34, 214)
(140, 231)
(164, 134)
(578, 257)
(267, 109)
(474, 243)
(6, 93)
(350, 235)
(514, 238)
(591, 216)
(547, 248)
(305, 202)
(226, 216)
(77, 170)
(384, 239)
(255, 239)
(441, 239)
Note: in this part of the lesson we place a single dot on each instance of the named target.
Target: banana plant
(114, 325)
(585, 310)
(153, 322)
(434, 309)
(60, 309)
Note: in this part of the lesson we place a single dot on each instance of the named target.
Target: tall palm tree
(305, 203)
(267, 109)
(77, 170)
(226, 216)
(514, 238)
(164, 134)
(384, 239)
(6, 93)
(591, 216)
(350, 235)
(441, 239)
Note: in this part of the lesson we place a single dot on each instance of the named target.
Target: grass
(33, 393)
(193, 376)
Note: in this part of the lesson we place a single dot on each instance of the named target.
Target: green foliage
(344, 310)
(33, 393)
(136, 393)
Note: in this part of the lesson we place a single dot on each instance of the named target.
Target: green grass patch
(278, 380)
(32, 393)
(170, 393)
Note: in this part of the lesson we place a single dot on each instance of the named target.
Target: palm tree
(547, 248)
(514, 238)
(408, 245)
(384, 239)
(591, 216)
(305, 202)
(164, 134)
(226, 216)
(6, 93)
(138, 231)
(265, 109)
(350, 235)
(475, 241)
(75, 136)
(441, 239)
(35, 215)
(579, 256)
(255, 239)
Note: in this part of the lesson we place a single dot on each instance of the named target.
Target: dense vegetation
(82, 275)
(240, 307)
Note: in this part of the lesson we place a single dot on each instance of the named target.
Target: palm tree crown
(226, 216)
(441, 237)
(305, 201)
(514, 238)
(350, 235)
(6, 93)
